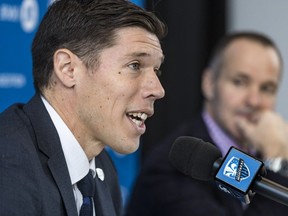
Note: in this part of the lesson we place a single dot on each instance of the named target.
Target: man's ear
(64, 66)
(208, 84)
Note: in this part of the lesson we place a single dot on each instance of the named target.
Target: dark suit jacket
(162, 190)
(34, 178)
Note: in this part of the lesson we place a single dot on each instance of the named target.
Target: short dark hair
(85, 28)
(217, 58)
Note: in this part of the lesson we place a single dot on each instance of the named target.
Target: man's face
(247, 85)
(116, 97)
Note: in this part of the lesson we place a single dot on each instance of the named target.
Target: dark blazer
(34, 178)
(162, 190)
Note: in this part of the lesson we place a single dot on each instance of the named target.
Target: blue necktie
(87, 188)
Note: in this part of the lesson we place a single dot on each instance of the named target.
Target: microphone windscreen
(194, 157)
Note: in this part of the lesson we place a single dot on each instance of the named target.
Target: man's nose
(254, 97)
(154, 87)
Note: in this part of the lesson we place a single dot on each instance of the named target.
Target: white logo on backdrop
(12, 80)
(27, 14)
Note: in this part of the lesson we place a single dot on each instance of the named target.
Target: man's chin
(129, 148)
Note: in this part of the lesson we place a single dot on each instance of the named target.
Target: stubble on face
(118, 87)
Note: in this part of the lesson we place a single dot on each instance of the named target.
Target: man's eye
(269, 89)
(134, 66)
(239, 82)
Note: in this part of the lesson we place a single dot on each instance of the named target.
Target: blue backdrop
(19, 20)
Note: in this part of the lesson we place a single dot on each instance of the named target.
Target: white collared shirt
(76, 159)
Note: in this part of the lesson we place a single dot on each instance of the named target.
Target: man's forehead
(145, 54)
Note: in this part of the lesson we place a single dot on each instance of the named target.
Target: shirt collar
(219, 137)
(76, 159)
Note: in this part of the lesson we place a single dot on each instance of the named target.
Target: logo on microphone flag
(236, 169)
(236, 174)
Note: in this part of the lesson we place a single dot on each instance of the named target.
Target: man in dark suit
(95, 68)
(240, 88)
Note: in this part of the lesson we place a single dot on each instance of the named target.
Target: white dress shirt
(76, 159)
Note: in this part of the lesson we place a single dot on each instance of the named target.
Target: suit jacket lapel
(49, 143)
(60, 173)
(102, 199)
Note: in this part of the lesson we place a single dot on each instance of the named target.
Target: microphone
(237, 174)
